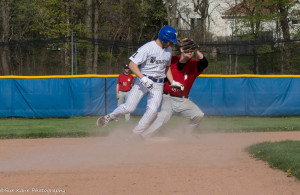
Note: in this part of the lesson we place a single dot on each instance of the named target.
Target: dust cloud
(170, 145)
(84, 153)
(209, 163)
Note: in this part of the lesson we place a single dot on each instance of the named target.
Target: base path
(214, 163)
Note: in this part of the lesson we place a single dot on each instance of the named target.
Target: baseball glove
(188, 45)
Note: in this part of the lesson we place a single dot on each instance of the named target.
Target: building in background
(270, 27)
(220, 18)
(189, 16)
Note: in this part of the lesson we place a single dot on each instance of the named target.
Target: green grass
(249, 124)
(242, 124)
(49, 127)
(85, 126)
(283, 155)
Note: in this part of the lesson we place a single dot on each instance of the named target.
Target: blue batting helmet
(167, 33)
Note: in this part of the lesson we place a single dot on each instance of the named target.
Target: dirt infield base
(209, 164)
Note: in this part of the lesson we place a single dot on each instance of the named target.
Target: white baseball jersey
(152, 59)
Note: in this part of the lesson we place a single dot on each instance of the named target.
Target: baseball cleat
(102, 121)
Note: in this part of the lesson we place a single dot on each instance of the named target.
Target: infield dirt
(212, 163)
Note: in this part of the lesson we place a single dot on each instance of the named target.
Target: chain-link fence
(82, 55)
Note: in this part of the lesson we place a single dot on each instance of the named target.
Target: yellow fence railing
(116, 75)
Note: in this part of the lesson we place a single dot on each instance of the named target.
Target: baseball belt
(184, 96)
(155, 80)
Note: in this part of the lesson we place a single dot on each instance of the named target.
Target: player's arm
(135, 70)
(132, 82)
(145, 80)
(172, 81)
(169, 74)
(117, 91)
(203, 63)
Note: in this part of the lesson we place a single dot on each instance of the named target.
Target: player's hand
(188, 45)
(118, 96)
(177, 85)
(147, 82)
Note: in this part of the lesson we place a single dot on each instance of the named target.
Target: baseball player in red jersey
(124, 83)
(184, 70)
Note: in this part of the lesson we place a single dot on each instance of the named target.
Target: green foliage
(283, 155)
(259, 21)
(35, 19)
(131, 21)
(156, 12)
(258, 13)
(155, 17)
(218, 65)
(106, 55)
(250, 23)
(265, 49)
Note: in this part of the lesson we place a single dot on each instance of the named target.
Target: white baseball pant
(154, 97)
(123, 95)
(184, 106)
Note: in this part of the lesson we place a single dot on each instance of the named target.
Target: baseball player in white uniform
(151, 65)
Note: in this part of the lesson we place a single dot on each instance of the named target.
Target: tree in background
(171, 6)
(201, 8)
(156, 17)
(89, 33)
(35, 34)
(250, 15)
(125, 20)
(256, 21)
(195, 18)
(282, 14)
(5, 16)
(41, 20)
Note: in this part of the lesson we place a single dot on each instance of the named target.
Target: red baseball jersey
(124, 82)
(186, 76)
